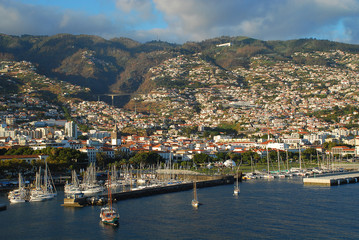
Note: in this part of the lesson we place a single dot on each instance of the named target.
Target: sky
(180, 21)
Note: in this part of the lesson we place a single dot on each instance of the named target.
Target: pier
(171, 188)
(332, 179)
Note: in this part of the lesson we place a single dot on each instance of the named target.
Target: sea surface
(264, 209)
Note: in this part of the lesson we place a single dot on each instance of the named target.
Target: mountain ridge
(120, 65)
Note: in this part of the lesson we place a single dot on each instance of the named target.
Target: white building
(71, 129)
(278, 146)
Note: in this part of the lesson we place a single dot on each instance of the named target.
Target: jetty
(332, 179)
(171, 188)
(202, 182)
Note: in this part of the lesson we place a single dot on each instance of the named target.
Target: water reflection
(276, 209)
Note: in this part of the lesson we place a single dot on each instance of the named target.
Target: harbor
(221, 180)
(80, 201)
(265, 209)
(332, 179)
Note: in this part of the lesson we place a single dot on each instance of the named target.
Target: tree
(309, 152)
(234, 156)
(201, 158)
(101, 159)
(60, 159)
(248, 156)
(222, 156)
(14, 166)
(184, 164)
(20, 151)
(119, 155)
(146, 158)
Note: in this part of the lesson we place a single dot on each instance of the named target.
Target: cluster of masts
(126, 179)
(89, 186)
(42, 190)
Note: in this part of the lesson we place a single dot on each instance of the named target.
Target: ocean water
(264, 209)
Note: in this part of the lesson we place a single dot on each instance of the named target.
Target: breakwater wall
(332, 179)
(214, 181)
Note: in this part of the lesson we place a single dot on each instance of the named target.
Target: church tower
(115, 137)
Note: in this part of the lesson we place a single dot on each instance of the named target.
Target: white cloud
(17, 18)
(137, 10)
(275, 19)
(191, 20)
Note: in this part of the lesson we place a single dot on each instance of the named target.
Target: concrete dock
(200, 183)
(170, 188)
(332, 179)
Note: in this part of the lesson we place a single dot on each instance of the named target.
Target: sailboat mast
(252, 164)
(300, 157)
(278, 161)
(286, 154)
(267, 150)
(109, 191)
(45, 178)
(194, 190)
(267, 160)
(237, 179)
(20, 182)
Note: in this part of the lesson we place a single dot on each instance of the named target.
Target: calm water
(275, 209)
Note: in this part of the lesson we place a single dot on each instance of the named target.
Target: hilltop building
(224, 45)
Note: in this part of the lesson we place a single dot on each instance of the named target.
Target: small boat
(109, 214)
(195, 202)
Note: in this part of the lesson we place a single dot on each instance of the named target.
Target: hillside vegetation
(121, 65)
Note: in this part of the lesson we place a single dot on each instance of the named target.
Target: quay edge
(223, 180)
(333, 179)
(214, 181)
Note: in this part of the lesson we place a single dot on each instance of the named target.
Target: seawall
(219, 180)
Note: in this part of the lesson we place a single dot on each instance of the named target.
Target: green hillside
(121, 65)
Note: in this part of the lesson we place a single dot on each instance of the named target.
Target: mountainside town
(278, 105)
(179, 119)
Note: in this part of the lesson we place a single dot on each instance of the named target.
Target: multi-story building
(71, 129)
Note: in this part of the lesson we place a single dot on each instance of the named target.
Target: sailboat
(18, 195)
(195, 202)
(236, 187)
(73, 187)
(47, 190)
(115, 182)
(109, 214)
(37, 193)
(90, 185)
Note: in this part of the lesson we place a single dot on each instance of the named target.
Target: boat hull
(195, 203)
(111, 221)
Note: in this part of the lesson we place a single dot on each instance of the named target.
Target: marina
(80, 200)
(265, 209)
(332, 179)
